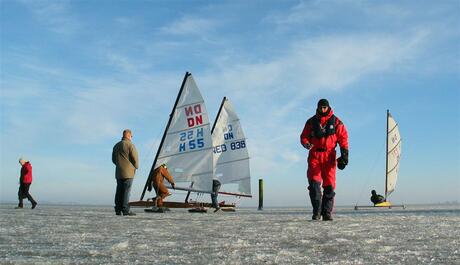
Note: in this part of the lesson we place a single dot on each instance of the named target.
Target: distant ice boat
(393, 155)
(231, 158)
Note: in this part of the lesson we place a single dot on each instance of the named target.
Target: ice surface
(94, 235)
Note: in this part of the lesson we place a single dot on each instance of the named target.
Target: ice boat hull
(169, 204)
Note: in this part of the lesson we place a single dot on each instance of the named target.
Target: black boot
(315, 198)
(20, 204)
(34, 203)
(327, 203)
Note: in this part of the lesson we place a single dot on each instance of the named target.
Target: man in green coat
(124, 156)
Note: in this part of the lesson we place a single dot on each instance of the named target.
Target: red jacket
(26, 173)
(326, 143)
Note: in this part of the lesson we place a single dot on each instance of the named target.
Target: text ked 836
(233, 146)
(228, 135)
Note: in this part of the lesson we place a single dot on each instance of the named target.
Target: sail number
(233, 146)
(190, 140)
(237, 145)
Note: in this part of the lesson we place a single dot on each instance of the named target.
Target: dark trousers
(122, 195)
(215, 190)
(322, 203)
(24, 193)
(314, 189)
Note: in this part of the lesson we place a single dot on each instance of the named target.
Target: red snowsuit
(25, 180)
(26, 173)
(322, 156)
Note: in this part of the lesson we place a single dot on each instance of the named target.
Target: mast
(187, 74)
(386, 158)
(218, 114)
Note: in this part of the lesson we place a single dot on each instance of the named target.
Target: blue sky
(74, 74)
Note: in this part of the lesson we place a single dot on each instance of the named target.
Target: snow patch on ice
(142, 246)
(120, 246)
(94, 252)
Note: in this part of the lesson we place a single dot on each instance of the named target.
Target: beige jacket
(124, 156)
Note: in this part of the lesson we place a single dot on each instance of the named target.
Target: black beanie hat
(323, 102)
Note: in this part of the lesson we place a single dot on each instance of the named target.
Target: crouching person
(157, 182)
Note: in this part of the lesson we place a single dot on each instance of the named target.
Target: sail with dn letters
(186, 146)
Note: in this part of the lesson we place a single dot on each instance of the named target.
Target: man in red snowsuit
(321, 134)
(25, 180)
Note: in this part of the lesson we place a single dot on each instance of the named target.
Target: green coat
(124, 156)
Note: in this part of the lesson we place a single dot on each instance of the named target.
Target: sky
(74, 74)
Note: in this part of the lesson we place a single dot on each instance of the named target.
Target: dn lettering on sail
(194, 115)
(228, 132)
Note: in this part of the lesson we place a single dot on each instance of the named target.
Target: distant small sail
(231, 158)
(393, 154)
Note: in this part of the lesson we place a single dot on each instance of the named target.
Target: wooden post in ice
(261, 194)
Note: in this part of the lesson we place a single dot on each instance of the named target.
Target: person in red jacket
(320, 136)
(25, 180)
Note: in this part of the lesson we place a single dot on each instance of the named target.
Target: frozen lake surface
(94, 235)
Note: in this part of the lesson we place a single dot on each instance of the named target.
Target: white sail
(187, 145)
(231, 158)
(393, 154)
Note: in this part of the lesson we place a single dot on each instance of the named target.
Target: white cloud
(56, 15)
(320, 14)
(309, 66)
(105, 107)
(297, 14)
(126, 22)
(190, 26)
(272, 95)
(80, 109)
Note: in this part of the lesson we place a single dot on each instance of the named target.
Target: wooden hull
(169, 204)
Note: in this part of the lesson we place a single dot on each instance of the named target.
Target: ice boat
(186, 148)
(231, 158)
(393, 156)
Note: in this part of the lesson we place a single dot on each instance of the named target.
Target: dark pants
(327, 205)
(314, 190)
(215, 190)
(122, 195)
(24, 193)
(322, 203)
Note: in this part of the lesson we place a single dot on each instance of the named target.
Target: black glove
(342, 161)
